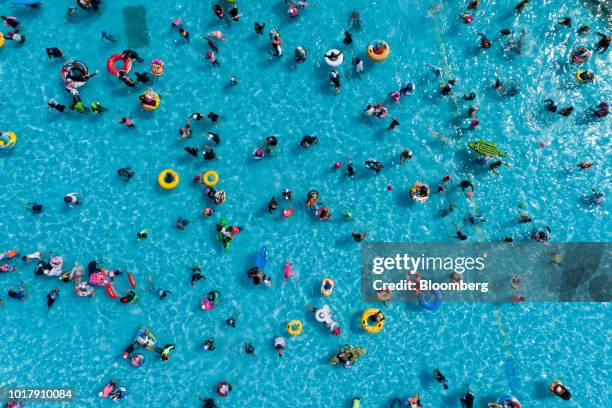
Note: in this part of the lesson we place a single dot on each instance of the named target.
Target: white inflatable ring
(334, 62)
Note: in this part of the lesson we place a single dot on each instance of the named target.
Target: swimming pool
(497, 349)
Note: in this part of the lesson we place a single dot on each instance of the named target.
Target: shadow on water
(540, 390)
(135, 27)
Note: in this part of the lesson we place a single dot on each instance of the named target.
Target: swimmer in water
(601, 110)
(550, 105)
(259, 28)
(192, 151)
(520, 6)
(348, 38)
(466, 185)
(350, 168)
(209, 345)
(196, 275)
(566, 111)
(565, 22)
(441, 379)
(279, 345)
(437, 71)
(459, 235)
(52, 297)
(71, 199)
(272, 205)
(374, 165)
(125, 173)
(484, 41)
(583, 30)
(214, 118)
(469, 97)
(603, 44)
(308, 141)
(231, 322)
(355, 20)
(109, 37)
(142, 77)
(211, 45)
(126, 121)
(19, 294)
(233, 12)
(54, 52)
(185, 131)
(142, 234)
(53, 104)
(133, 55)
(181, 223)
(212, 58)
(36, 208)
(358, 65)
(394, 123)
(214, 137)
(405, 155)
(334, 78)
(358, 237)
(249, 348)
(497, 164)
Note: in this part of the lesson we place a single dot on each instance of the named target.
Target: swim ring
(8, 140)
(375, 327)
(210, 300)
(323, 314)
(327, 287)
(137, 360)
(334, 57)
(210, 178)
(157, 67)
(152, 99)
(70, 66)
(419, 192)
(509, 401)
(168, 179)
(294, 327)
(557, 388)
(430, 304)
(581, 55)
(110, 288)
(384, 295)
(111, 64)
(579, 74)
(1, 39)
(378, 50)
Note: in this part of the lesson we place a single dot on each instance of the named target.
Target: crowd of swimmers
(347, 355)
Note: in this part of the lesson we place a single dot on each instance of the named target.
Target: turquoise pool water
(498, 349)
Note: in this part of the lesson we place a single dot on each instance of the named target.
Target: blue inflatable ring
(430, 304)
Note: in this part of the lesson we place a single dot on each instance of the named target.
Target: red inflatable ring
(112, 61)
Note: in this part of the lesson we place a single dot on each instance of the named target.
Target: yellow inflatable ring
(1, 40)
(365, 321)
(375, 53)
(579, 79)
(210, 178)
(327, 292)
(168, 185)
(384, 295)
(294, 327)
(8, 140)
(155, 98)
